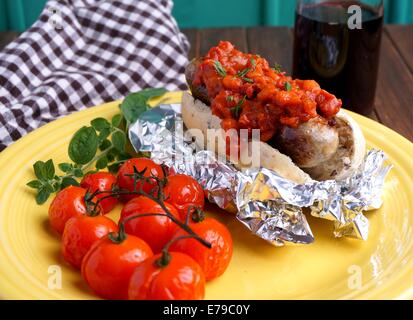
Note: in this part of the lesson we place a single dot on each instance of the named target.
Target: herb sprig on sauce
(242, 74)
(236, 111)
(220, 69)
(277, 68)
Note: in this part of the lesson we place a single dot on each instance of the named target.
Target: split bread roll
(347, 158)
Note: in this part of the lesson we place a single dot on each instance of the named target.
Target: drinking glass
(337, 43)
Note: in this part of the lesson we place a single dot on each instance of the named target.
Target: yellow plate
(381, 267)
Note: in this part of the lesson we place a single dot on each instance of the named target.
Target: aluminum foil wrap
(267, 204)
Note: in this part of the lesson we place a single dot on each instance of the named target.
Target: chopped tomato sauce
(248, 94)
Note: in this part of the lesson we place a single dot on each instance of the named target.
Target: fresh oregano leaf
(101, 163)
(114, 168)
(65, 167)
(48, 187)
(123, 156)
(42, 196)
(78, 173)
(91, 171)
(119, 141)
(105, 144)
(49, 169)
(111, 155)
(152, 93)
(35, 184)
(68, 181)
(116, 120)
(39, 171)
(103, 134)
(133, 106)
(83, 146)
(100, 123)
(137, 103)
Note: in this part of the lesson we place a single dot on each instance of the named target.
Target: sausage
(310, 144)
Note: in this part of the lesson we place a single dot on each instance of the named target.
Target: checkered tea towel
(81, 53)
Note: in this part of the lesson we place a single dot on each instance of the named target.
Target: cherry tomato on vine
(127, 182)
(213, 261)
(182, 192)
(68, 203)
(155, 230)
(108, 266)
(181, 279)
(80, 233)
(101, 181)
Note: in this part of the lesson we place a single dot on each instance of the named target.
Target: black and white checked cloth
(81, 53)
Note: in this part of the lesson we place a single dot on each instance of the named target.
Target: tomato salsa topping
(246, 93)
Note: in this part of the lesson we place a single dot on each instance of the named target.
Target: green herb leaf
(65, 167)
(39, 170)
(42, 196)
(137, 103)
(101, 163)
(49, 169)
(236, 111)
(288, 86)
(117, 120)
(91, 171)
(103, 135)
(111, 155)
(253, 63)
(123, 156)
(133, 106)
(242, 73)
(152, 93)
(105, 144)
(100, 124)
(119, 141)
(35, 184)
(229, 98)
(277, 68)
(68, 181)
(49, 187)
(83, 146)
(114, 168)
(220, 69)
(78, 173)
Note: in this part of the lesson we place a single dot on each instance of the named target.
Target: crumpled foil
(267, 204)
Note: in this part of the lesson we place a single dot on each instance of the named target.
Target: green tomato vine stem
(156, 195)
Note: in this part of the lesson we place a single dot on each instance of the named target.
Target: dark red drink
(343, 61)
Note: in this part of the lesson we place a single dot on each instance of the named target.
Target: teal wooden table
(394, 99)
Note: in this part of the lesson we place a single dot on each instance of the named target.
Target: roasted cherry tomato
(126, 182)
(155, 230)
(108, 266)
(68, 203)
(213, 261)
(101, 181)
(183, 192)
(80, 233)
(181, 279)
